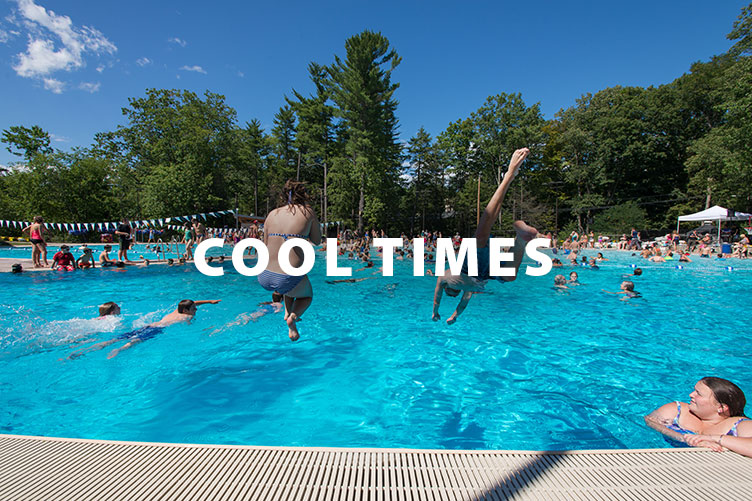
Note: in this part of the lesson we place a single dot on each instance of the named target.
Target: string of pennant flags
(163, 222)
(144, 223)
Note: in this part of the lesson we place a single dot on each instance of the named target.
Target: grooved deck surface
(62, 469)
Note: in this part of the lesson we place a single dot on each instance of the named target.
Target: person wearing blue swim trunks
(293, 219)
(713, 418)
(463, 283)
(185, 312)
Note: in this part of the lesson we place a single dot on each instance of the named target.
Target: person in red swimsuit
(39, 246)
(63, 260)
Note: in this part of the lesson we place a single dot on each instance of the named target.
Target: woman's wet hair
(277, 297)
(726, 393)
(294, 193)
(638, 271)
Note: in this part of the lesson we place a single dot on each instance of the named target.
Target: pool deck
(61, 469)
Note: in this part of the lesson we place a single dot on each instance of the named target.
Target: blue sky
(71, 66)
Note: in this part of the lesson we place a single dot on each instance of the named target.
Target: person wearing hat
(63, 260)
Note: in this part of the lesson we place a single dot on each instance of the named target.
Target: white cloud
(143, 61)
(55, 44)
(4, 37)
(55, 86)
(59, 139)
(241, 74)
(90, 87)
(196, 68)
(178, 41)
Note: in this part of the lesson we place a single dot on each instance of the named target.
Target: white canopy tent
(715, 213)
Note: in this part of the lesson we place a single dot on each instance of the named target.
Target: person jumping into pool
(185, 312)
(293, 219)
(464, 283)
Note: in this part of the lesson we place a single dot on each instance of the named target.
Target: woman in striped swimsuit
(713, 418)
(293, 219)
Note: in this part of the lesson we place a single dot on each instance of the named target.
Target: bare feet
(293, 334)
(518, 157)
(524, 231)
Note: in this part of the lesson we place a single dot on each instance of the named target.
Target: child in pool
(627, 288)
(86, 260)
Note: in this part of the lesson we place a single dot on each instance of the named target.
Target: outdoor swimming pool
(525, 367)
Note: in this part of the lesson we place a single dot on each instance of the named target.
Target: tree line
(624, 156)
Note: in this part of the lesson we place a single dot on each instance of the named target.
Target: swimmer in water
(627, 288)
(637, 273)
(109, 308)
(185, 312)
(464, 284)
(560, 282)
(573, 279)
(349, 280)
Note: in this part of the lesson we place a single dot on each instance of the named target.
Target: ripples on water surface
(525, 367)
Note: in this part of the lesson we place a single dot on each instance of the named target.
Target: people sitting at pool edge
(63, 260)
(86, 260)
(294, 218)
(464, 283)
(713, 418)
(185, 312)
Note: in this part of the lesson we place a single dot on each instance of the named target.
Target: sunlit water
(525, 367)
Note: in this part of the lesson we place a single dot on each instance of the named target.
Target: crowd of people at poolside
(701, 244)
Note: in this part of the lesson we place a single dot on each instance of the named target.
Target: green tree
(174, 133)
(316, 132)
(364, 95)
(27, 142)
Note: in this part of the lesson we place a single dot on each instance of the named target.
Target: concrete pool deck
(60, 469)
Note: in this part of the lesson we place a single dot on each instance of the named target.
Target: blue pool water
(525, 367)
